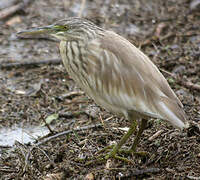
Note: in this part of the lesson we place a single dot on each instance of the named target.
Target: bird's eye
(61, 27)
(65, 27)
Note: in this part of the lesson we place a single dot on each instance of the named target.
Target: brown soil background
(167, 31)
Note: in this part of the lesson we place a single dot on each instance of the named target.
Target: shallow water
(24, 135)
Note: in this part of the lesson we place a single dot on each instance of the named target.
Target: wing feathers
(172, 112)
(131, 81)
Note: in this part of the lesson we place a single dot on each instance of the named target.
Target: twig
(169, 73)
(167, 36)
(182, 82)
(13, 9)
(45, 154)
(73, 93)
(74, 102)
(65, 133)
(21, 147)
(193, 177)
(46, 124)
(145, 171)
(145, 43)
(158, 133)
(102, 122)
(190, 85)
(138, 172)
(8, 170)
(55, 136)
(30, 63)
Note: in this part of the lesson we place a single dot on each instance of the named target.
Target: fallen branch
(13, 9)
(8, 170)
(158, 133)
(29, 63)
(46, 124)
(72, 94)
(56, 136)
(140, 172)
(190, 85)
(193, 177)
(182, 82)
(65, 133)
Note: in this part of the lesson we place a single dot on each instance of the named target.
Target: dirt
(167, 31)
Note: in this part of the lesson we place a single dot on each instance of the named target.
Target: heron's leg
(137, 138)
(123, 140)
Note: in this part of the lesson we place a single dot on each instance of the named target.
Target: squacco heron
(116, 75)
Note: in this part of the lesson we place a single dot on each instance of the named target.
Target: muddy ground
(167, 31)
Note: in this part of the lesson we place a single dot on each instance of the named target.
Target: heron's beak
(36, 31)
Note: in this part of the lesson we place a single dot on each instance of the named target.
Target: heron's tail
(173, 113)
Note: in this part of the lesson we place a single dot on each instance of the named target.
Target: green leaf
(50, 118)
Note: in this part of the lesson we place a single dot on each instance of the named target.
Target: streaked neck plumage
(82, 34)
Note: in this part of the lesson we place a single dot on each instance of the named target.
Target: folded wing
(123, 77)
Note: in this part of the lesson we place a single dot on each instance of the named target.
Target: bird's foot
(110, 154)
(113, 154)
(104, 158)
(134, 153)
(122, 152)
(106, 149)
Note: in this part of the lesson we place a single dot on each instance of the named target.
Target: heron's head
(67, 29)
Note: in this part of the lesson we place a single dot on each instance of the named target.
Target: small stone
(179, 69)
(93, 111)
(89, 176)
(109, 164)
(13, 21)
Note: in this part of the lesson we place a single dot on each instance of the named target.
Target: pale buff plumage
(116, 74)
(123, 79)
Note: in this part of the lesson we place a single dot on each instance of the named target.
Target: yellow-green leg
(123, 140)
(137, 138)
(132, 150)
